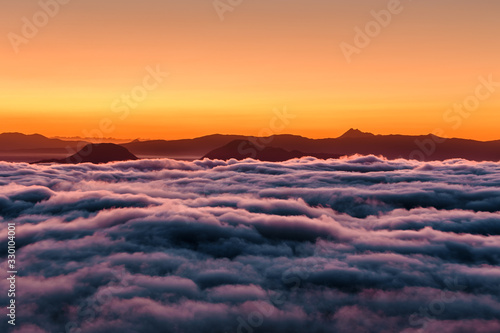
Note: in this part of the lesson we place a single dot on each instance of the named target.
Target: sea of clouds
(360, 244)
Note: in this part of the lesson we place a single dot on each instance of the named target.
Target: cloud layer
(360, 244)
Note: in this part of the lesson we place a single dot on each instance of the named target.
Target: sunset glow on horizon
(89, 60)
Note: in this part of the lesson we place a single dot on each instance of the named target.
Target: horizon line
(128, 140)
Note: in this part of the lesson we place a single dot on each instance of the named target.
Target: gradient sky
(228, 76)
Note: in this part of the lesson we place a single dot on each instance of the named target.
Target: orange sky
(228, 76)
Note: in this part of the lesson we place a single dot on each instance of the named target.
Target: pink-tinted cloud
(360, 244)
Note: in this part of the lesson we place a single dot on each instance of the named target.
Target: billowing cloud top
(360, 244)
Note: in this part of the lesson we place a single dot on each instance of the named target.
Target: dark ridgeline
(182, 149)
(422, 147)
(19, 141)
(96, 153)
(273, 148)
(241, 149)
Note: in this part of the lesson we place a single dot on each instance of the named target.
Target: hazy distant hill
(96, 153)
(18, 147)
(241, 149)
(182, 149)
(18, 141)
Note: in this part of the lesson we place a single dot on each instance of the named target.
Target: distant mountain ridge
(242, 149)
(29, 148)
(18, 141)
(97, 154)
(181, 149)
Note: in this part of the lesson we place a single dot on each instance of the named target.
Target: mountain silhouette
(19, 141)
(96, 153)
(181, 149)
(241, 149)
(422, 147)
(16, 147)
(355, 133)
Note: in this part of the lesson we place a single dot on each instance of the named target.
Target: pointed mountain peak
(355, 133)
